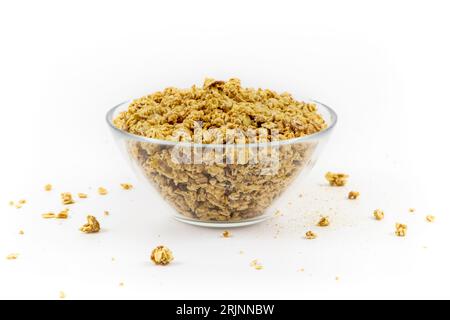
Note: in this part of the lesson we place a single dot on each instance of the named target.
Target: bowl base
(224, 224)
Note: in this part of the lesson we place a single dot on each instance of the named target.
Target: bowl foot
(224, 224)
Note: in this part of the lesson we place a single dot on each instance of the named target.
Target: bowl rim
(307, 138)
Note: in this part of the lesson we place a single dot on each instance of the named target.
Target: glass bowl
(221, 185)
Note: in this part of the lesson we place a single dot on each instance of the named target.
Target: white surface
(383, 66)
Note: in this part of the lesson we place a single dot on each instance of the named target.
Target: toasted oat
(63, 214)
(66, 198)
(49, 215)
(20, 203)
(12, 256)
(430, 218)
(92, 225)
(400, 229)
(48, 187)
(412, 210)
(102, 191)
(82, 195)
(310, 235)
(62, 295)
(161, 255)
(323, 222)
(353, 195)
(106, 213)
(336, 179)
(256, 264)
(126, 186)
(21, 232)
(378, 214)
(226, 234)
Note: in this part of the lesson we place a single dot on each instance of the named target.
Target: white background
(382, 65)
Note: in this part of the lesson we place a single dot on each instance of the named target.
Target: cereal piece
(48, 187)
(92, 225)
(336, 179)
(63, 214)
(49, 215)
(302, 270)
(12, 256)
(378, 214)
(400, 229)
(11, 203)
(20, 203)
(126, 186)
(412, 210)
(323, 222)
(106, 213)
(161, 255)
(102, 191)
(226, 234)
(66, 198)
(353, 195)
(62, 295)
(21, 232)
(310, 235)
(337, 278)
(82, 195)
(121, 284)
(256, 264)
(430, 218)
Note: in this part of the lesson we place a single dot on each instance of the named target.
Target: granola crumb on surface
(62, 295)
(378, 214)
(121, 284)
(12, 256)
(48, 215)
(226, 234)
(126, 186)
(412, 210)
(310, 235)
(11, 203)
(353, 195)
(48, 187)
(92, 225)
(102, 191)
(82, 195)
(430, 218)
(336, 179)
(323, 222)
(63, 214)
(400, 229)
(21, 232)
(20, 203)
(106, 213)
(161, 255)
(256, 264)
(66, 198)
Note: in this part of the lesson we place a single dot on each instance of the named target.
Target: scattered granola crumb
(301, 270)
(161, 255)
(48, 187)
(21, 232)
(102, 191)
(337, 278)
(378, 214)
(20, 203)
(106, 213)
(310, 235)
(400, 229)
(353, 195)
(92, 225)
(336, 179)
(66, 198)
(126, 186)
(412, 210)
(121, 284)
(226, 234)
(62, 295)
(113, 259)
(430, 218)
(256, 264)
(11, 203)
(64, 214)
(12, 256)
(48, 215)
(241, 252)
(323, 222)
(82, 195)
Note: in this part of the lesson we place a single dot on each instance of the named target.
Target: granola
(82, 195)
(378, 214)
(310, 235)
(256, 264)
(400, 229)
(126, 186)
(353, 195)
(48, 187)
(161, 255)
(226, 234)
(225, 190)
(66, 198)
(12, 256)
(92, 225)
(323, 222)
(102, 191)
(430, 218)
(336, 179)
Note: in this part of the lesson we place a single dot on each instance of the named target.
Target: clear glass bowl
(222, 185)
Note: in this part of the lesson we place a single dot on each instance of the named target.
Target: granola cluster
(161, 255)
(219, 188)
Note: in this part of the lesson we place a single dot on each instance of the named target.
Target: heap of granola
(220, 190)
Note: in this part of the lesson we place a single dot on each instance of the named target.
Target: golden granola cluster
(92, 225)
(161, 255)
(220, 190)
(336, 179)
